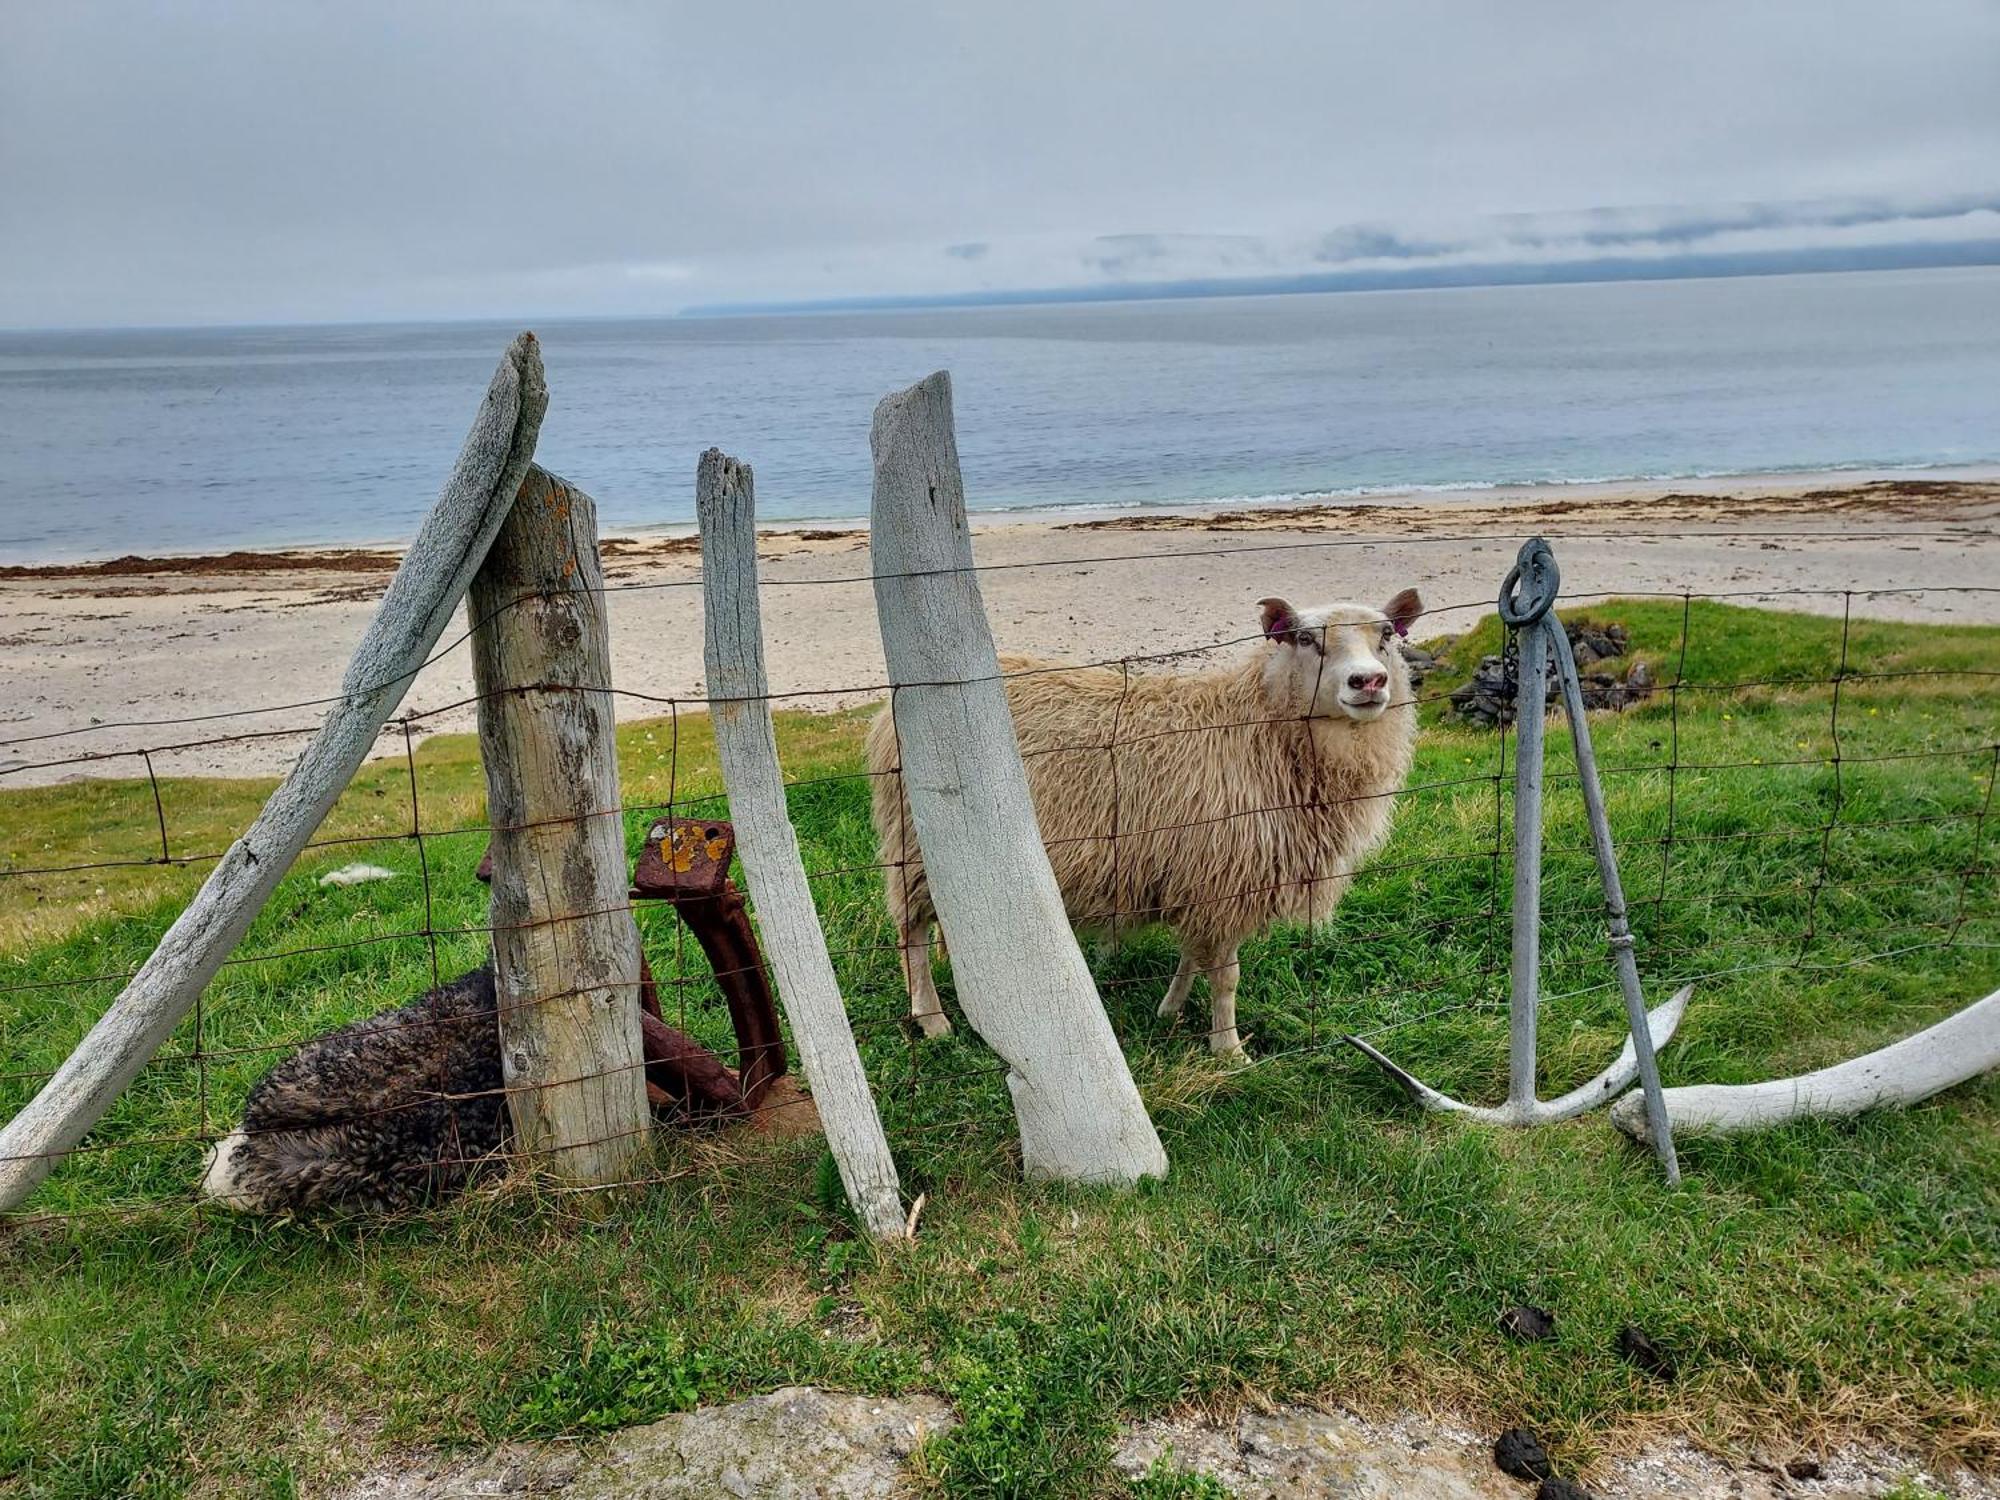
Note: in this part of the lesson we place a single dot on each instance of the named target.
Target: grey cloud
(1679, 226)
(240, 160)
(1373, 242)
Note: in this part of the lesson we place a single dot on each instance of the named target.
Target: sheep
(1213, 803)
(391, 1112)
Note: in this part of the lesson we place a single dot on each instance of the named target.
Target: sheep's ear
(1403, 610)
(1280, 619)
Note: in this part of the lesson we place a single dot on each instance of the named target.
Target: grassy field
(1316, 1239)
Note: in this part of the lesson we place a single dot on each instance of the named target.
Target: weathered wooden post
(412, 615)
(739, 705)
(1021, 977)
(565, 947)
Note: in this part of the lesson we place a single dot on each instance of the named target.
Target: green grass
(1316, 1238)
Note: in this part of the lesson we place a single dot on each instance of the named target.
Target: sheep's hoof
(1230, 1053)
(934, 1025)
(1170, 1009)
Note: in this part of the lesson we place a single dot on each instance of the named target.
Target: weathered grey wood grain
(725, 498)
(1021, 978)
(412, 615)
(565, 946)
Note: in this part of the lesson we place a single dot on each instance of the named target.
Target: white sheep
(1213, 803)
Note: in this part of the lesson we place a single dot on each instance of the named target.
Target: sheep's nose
(1368, 682)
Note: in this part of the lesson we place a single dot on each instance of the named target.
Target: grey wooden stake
(1539, 634)
(565, 947)
(1021, 978)
(739, 706)
(407, 624)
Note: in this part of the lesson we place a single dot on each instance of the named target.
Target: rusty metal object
(684, 858)
(684, 1080)
(686, 862)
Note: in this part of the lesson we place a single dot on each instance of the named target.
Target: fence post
(565, 947)
(1021, 977)
(412, 615)
(739, 706)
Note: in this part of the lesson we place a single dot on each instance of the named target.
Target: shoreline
(220, 665)
(376, 554)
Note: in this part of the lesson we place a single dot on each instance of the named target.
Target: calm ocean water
(193, 440)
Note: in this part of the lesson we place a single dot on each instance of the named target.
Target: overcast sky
(271, 161)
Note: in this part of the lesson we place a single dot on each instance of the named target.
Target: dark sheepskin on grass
(392, 1112)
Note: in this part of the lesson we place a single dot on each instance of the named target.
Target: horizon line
(1610, 270)
(1702, 266)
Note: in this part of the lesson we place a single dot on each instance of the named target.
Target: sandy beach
(104, 658)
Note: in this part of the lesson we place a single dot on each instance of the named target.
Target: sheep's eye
(1387, 631)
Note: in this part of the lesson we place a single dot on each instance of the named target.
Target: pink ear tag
(1402, 628)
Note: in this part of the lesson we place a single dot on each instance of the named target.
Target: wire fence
(1795, 797)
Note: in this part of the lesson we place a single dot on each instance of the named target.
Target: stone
(801, 1442)
(798, 1443)
(1488, 696)
(1295, 1452)
(1420, 662)
(1299, 1454)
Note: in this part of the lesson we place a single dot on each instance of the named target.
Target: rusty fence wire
(1773, 827)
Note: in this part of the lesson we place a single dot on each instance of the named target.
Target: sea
(191, 440)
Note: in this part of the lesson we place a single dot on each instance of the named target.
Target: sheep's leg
(1180, 988)
(1223, 972)
(926, 1009)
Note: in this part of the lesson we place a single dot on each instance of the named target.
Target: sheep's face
(1338, 660)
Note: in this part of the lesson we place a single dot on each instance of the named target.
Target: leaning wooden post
(1021, 977)
(565, 947)
(412, 615)
(739, 706)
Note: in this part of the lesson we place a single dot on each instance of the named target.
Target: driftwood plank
(737, 685)
(1021, 978)
(412, 615)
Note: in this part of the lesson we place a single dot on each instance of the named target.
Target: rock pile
(1488, 698)
(1421, 663)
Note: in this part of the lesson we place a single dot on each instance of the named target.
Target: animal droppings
(1532, 1324)
(1520, 1453)
(1643, 1352)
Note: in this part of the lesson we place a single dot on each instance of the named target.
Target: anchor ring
(1540, 565)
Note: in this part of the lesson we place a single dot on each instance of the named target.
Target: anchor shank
(1529, 723)
(1614, 898)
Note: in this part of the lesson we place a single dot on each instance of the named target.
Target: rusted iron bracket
(686, 862)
